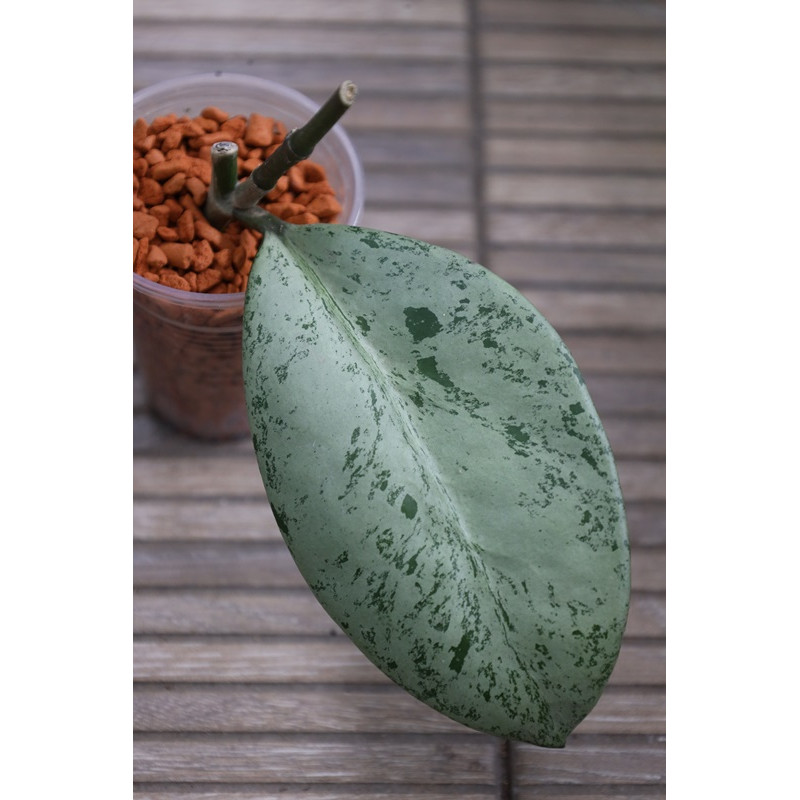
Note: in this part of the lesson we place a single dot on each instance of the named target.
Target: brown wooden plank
(179, 791)
(648, 569)
(646, 523)
(425, 185)
(529, 265)
(624, 710)
(619, 792)
(593, 310)
(647, 616)
(315, 75)
(189, 39)
(400, 113)
(577, 47)
(281, 612)
(300, 758)
(446, 227)
(642, 14)
(318, 661)
(411, 12)
(201, 520)
(214, 564)
(624, 353)
(592, 760)
(570, 80)
(233, 611)
(631, 437)
(266, 709)
(525, 189)
(235, 476)
(607, 118)
(396, 149)
(332, 661)
(627, 394)
(642, 480)
(573, 228)
(578, 153)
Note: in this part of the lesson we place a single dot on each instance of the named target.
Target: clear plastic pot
(188, 345)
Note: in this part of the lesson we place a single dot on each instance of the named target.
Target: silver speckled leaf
(439, 474)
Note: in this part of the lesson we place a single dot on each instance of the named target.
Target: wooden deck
(529, 136)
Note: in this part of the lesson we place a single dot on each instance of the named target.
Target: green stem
(224, 176)
(297, 146)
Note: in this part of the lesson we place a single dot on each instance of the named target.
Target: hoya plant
(433, 460)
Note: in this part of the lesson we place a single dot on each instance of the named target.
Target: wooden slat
(269, 661)
(318, 661)
(380, 149)
(627, 394)
(528, 265)
(590, 47)
(647, 616)
(231, 612)
(613, 229)
(281, 612)
(402, 113)
(294, 39)
(265, 709)
(624, 710)
(411, 12)
(618, 792)
(592, 760)
(305, 758)
(568, 80)
(646, 523)
(574, 13)
(605, 119)
(197, 477)
(179, 791)
(596, 792)
(212, 564)
(642, 480)
(313, 74)
(578, 153)
(218, 520)
(424, 185)
(526, 190)
(648, 569)
(576, 310)
(444, 227)
(622, 353)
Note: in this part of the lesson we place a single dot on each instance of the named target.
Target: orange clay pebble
(173, 242)
(185, 226)
(179, 254)
(259, 131)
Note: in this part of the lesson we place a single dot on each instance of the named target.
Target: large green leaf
(439, 474)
